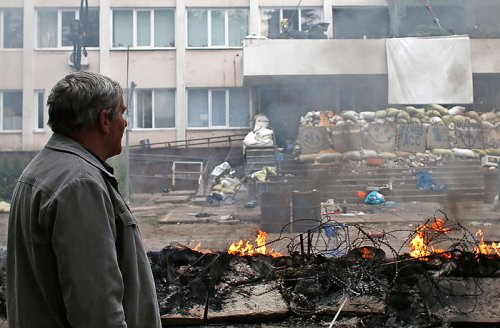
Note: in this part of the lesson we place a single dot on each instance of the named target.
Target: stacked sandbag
(432, 115)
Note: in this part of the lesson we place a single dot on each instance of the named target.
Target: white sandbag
(328, 157)
(350, 115)
(387, 155)
(379, 120)
(392, 112)
(462, 152)
(365, 153)
(380, 113)
(488, 116)
(436, 120)
(456, 110)
(368, 116)
(353, 155)
(442, 152)
(487, 125)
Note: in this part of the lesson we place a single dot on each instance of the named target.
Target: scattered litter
(251, 204)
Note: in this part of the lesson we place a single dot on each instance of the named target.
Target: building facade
(196, 69)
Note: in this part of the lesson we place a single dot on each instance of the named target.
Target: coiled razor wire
(324, 260)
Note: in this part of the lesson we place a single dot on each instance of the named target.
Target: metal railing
(207, 141)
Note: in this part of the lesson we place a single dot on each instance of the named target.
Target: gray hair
(76, 101)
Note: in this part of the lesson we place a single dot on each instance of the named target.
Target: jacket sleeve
(83, 240)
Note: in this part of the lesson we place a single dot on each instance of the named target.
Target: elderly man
(75, 256)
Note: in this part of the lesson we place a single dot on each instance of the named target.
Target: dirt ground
(162, 222)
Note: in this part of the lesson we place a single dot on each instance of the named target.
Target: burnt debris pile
(337, 271)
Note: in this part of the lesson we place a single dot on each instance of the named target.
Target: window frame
(59, 41)
(40, 108)
(135, 111)
(209, 27)
(2, 28)
(135, 31)
(227, 108)
(281, 9)
(2, 112)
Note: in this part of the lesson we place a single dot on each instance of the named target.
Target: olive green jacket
(75, 256)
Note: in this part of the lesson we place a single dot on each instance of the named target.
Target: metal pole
(127, 155)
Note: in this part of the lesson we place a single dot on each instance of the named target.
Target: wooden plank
(258, 302)
(252, 302)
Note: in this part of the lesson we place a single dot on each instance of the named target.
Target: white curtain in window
(13, 28)
(47, 29)
(164, 28)
(270, 23)
(12, 110)
(238, 26)
(198, 108)
(218, 108)
(122, 28)
(197, 28)
(164, 108)
(309, 17)
(69, 29)
(144, 112)
(218, 28)
(143, 28)
(239, 107)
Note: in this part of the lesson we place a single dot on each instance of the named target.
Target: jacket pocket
(127, 218)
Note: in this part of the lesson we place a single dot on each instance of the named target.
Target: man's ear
(104, 121)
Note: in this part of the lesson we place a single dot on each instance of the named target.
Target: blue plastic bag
(374, 198)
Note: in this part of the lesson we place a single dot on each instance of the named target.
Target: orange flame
(242, 248)
(484, 248)
(366, 253)
(420, 247)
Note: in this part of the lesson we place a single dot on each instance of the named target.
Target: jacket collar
(62, 143)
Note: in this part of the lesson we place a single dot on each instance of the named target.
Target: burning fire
(242, 248)
(366, 253)
(484, 248)
(420, 247)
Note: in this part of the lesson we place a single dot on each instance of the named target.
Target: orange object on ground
(361, 194)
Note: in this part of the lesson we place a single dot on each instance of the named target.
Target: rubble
(320, 279)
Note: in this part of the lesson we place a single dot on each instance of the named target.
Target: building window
(11, 110)
(144, 28)
(40, 110)
(155, 109)
(278, 23)
(12, 28)
(217, 27)
(59, 28)
(218, 108)
(361, 23)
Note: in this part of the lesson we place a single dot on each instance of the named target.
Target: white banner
(429, 70)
